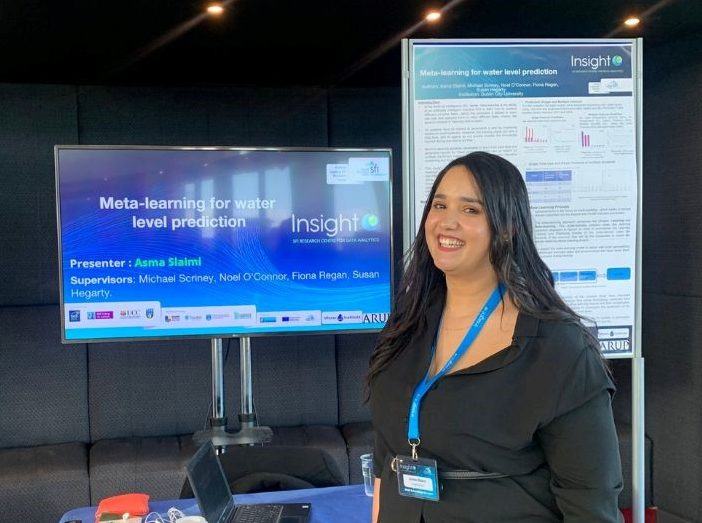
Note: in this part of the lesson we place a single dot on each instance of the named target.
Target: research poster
(564, 114)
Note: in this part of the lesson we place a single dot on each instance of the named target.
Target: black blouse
(539, 411)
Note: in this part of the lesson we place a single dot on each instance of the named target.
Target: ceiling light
(432, 16)
(215, 9)
(632, 22)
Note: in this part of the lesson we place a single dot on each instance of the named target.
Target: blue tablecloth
(329, 505)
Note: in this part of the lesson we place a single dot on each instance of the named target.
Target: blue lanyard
(424, 385)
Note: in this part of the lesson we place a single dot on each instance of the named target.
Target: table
(347, 504)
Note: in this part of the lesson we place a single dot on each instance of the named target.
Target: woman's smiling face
(456, 229)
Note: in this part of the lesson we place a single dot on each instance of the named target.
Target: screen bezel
(223, 335)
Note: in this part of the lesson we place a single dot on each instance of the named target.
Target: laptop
(215, 499)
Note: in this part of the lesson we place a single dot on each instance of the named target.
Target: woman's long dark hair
(513, 255)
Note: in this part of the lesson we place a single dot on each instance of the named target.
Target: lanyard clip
(414, 446)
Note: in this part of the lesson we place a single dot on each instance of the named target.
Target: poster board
(567, 114)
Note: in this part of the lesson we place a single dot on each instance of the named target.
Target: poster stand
(410, 204)
(250, 433)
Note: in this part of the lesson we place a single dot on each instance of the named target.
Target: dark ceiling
(286, 42)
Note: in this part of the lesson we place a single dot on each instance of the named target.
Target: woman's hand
(376, 500)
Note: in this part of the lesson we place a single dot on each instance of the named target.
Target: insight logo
(370, 222)
(330, 226)
(596, 62)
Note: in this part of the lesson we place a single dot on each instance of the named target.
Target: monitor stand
(249, 434)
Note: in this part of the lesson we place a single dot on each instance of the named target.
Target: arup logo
(375, 317)
(370, 222)
(617, 60)
(615, 345)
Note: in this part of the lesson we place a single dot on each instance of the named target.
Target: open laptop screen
(209, 483)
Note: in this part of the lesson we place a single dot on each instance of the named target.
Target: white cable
(156, 518)
(174, 515)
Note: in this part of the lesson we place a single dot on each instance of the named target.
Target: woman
(525, 409)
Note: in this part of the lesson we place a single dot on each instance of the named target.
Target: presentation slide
(167, 242)
(564, 114)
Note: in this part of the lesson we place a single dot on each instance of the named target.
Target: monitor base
(221, 438)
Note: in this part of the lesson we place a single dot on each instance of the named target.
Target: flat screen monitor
(165, 242)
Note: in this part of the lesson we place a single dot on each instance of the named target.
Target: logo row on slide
(152, 315)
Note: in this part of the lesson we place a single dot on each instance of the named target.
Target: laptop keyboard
(257, 514)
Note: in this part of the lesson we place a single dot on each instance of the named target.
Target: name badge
(417, 478)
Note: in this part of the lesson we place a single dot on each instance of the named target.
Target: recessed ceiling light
(215, 9)
(432, 16)
(632, 22)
